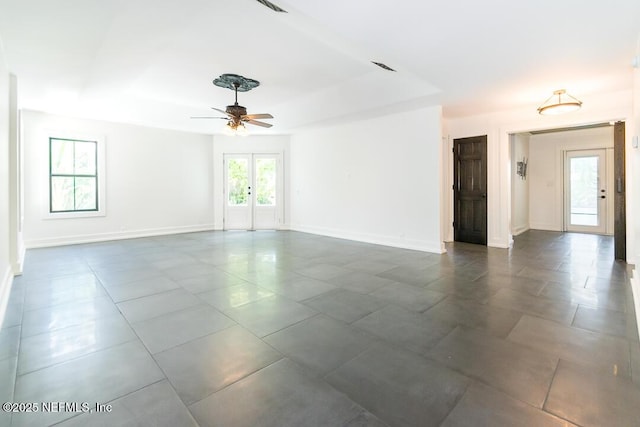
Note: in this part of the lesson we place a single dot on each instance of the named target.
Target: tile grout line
(236, 381)
(553, 377)
(458, 400)
(15, 378)
(575, 313)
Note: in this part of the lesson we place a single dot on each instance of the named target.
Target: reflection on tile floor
(291, 329)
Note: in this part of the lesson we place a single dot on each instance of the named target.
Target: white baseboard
(418, 245)
(519, 230)
(19, 263)
(103, 237)
(499, 245)
(544, 227)
(5, 291)
(220, 227)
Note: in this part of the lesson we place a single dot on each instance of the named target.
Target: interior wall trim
(544, 226)
(413, 244)
(104, 237)
(18, 265)
(519, 230)
(5, 292)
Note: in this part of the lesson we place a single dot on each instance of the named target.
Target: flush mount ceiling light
(558, 103)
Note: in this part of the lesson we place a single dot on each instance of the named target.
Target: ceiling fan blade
(222, 111)
(257, 116)
(208, 117)
(257, 123)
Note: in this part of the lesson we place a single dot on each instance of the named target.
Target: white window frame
(101, 175)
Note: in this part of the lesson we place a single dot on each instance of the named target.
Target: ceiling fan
(237, 114)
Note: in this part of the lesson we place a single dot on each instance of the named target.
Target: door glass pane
(266, 182)
(61, 157)
(237, 182)
(61, 194)
(584, 191)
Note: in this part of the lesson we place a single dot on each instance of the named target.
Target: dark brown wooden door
(619, 221)
(470, 190)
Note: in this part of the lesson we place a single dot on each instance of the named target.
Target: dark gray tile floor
(291, 329)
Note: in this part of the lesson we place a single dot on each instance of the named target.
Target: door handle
(619, 185)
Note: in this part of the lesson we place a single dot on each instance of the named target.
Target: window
(73, 175)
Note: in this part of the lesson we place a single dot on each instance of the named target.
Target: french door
(588, 204)
(253, 191)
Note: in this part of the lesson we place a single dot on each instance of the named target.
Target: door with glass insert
(586, 204)
(253, 191)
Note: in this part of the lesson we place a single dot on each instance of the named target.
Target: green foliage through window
(238, 182)
(266, 182)
(584, 184)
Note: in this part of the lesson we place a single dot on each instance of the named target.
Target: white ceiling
(152, 62)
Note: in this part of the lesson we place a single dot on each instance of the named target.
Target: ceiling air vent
(380, 64)
(271, 6)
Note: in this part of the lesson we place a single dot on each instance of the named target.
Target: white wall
(499, 126)
(157, 182)
(374, 180)
(547, 171)
(6, 273)
(222, 144)
(16, 217)
(633, 156)
(519, 185)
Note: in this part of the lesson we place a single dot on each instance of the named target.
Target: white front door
(253, 191)
(588, 202)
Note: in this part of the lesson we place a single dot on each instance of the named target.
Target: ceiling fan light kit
(235, 129)
(558, 103)
(236, 115)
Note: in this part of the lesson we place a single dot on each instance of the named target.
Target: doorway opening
(574, 181)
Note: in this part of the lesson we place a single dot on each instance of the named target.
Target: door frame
(605, 208)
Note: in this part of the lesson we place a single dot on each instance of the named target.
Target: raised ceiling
(152, 62)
